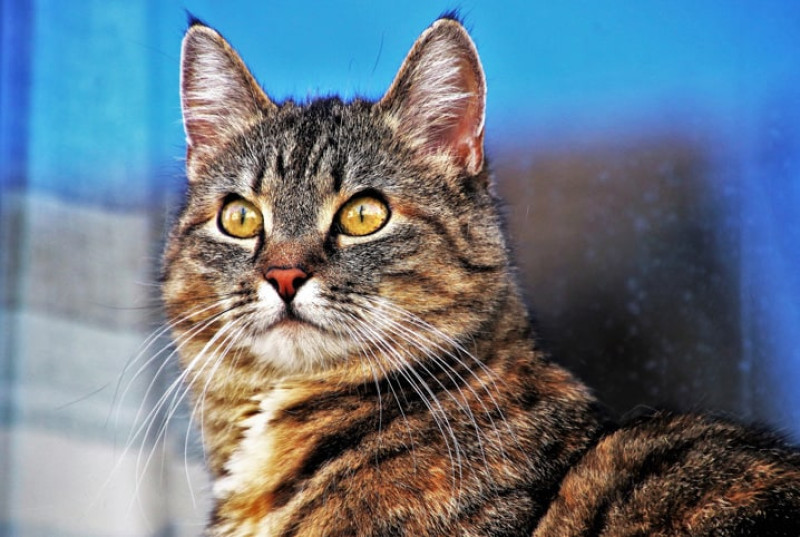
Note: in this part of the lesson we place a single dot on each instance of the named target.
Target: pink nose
(286, 281)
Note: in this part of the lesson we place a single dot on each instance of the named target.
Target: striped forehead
(301, 169)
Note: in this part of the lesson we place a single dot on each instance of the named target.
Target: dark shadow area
(631, 268)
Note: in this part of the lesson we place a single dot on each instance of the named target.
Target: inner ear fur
(219, 96)
(438, 98)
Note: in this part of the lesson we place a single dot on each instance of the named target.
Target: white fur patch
(249, 467)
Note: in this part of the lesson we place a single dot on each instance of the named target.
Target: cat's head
(331, 234)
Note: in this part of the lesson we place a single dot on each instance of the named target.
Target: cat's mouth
(275, 314)
(290, 321)
(294, 343)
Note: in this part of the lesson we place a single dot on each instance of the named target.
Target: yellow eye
(363, 215)
(241, 219)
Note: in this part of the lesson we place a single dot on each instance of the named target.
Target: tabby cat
(349, 324)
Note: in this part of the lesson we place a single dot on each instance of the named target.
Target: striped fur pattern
(397, 389)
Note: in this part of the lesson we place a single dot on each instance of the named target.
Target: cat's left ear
(219, 96)
(438, 99)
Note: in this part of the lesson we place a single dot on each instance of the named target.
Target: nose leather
(286, 281)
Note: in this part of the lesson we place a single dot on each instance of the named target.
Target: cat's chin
(294, 346)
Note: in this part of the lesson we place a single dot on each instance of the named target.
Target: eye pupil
(241, 219)
(362, 215)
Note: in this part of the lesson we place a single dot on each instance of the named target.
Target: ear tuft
(219, 96)
(438, 98)
(453, 15)
(192, 20)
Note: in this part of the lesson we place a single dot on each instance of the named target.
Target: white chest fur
(251, 471)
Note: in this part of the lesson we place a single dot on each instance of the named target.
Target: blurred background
(649, 153)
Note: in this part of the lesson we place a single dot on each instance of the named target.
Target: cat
(349, 324)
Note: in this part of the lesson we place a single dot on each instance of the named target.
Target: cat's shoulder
(672, 474)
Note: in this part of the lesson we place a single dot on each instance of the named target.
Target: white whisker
(176, 396)
(400, 365)
(367, 352)
(457, 351)
(147, 344)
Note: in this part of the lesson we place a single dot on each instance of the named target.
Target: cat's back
(671, 475)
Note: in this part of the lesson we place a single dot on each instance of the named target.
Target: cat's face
(333, 234)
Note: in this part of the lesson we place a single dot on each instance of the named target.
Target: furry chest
(249, 495)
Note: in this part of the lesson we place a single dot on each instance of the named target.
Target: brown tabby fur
(400, 391)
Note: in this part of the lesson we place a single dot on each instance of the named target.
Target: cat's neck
(232, 392)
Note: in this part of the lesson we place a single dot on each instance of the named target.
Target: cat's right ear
(219, 96)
